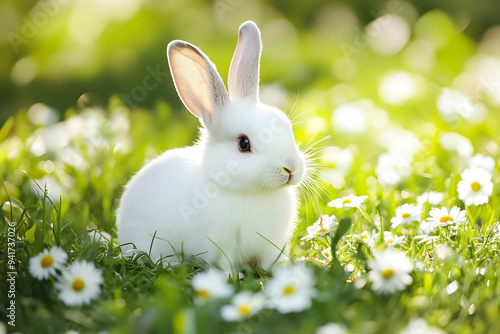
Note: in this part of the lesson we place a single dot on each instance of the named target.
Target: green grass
(458, 293)
(141, 296)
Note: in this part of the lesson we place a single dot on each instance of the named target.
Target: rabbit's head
(248, 146)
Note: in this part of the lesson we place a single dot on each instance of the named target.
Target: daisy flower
(476, 186)
(291, 288)
(393, 240)
(47, 262)
(406, 214)
(368, 238)
(244, 305)
(332, 328)
(441, 217)
(391, 169)
(346, 202)
(324, 225)
(482, 161)
(431, 197)
(79, 284)
(390, 271)
(390, 239)
(211, 284)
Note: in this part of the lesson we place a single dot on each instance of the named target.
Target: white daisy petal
(324, 225)
(476, 187)
(291, 289)
(441, 217)
(80, 284)
(211, 284)
(347, 202)
(390, 271)
(406, 214)
(244, 305)
(47, 262)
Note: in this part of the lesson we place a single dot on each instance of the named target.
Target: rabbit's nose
(289, 174)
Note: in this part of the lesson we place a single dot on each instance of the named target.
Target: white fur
(210, 197)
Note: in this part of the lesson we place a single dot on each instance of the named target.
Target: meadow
(398, 233)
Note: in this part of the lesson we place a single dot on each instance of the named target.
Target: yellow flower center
(245, 310)
(390, 241)
(405, 215)
(475, 186)
(388, 273)
(47, 261)
(445, 219)
(365, 236)
(78, 284)
(202, 293)
(346, 201)
(288, 290)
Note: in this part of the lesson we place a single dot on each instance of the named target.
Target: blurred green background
(78, 53)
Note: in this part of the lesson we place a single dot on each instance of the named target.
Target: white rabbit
(231, 197)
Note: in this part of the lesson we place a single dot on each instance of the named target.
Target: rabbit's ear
(196, 80)
(243, 78)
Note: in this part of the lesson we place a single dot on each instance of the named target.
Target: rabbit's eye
(244, 144)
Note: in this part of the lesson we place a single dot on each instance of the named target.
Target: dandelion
(431, 197)
(349, 201)
(244, 305)
(482, 161)
(211, 284)
(324, 225)
(390, 271)
(47, 262)
(391, 169)
(443, 217)
(332, 328)
(406, 214)
(291, 289)
(79, 284)
(476, 186)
